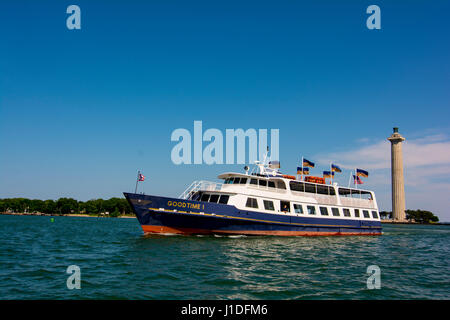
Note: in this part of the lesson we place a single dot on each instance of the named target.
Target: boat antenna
(261, 164)
(266, 156)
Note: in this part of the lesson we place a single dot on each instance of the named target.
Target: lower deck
(288, 206)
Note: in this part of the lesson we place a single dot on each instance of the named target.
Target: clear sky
(82, 110)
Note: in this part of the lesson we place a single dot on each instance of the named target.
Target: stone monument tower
(398, 185)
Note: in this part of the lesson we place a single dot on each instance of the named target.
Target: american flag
(357, 180)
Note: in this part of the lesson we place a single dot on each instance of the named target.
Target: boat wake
(230, 236)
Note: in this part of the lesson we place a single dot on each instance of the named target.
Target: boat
(263, 202)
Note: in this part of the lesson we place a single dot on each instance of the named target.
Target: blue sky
(82, 110)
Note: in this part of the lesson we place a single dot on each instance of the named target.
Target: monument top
(396, 137)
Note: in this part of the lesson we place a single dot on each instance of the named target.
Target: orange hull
(187, 231)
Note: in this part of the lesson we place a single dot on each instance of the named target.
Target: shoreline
(415, 223)
(64, 215)
(134, 217)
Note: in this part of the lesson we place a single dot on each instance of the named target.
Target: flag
(362, 173)
(328, 174)
(335, 168)
(357, 180)
(272, 172)
(141, 177)
(305, 170)
(274, 164)
(307, 163)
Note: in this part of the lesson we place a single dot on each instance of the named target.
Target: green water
(118, 262)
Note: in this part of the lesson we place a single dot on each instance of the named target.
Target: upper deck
(280, 188)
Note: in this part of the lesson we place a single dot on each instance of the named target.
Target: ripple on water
(118, 262)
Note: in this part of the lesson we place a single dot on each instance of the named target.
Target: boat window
(298, 208)
(271, 184)
(335, 212)
(311, 210)
(251, 203)
(214, 198)
(322, 190)
(281, 185)
(346, 212)
(196, 196)
(224, 199)
(297, 186)
(332, 192)
(268, 205)
(374, 215)
(243, 181)
(366, 195)
(253, 181)
(356, 194)
(263, 183)
(205, 197)
(357, 213)
(366, 214)
(310, 188)
(236, 180)
(324, 211)
(285, 206)
(344, 192)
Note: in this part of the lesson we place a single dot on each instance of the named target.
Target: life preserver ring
(315, 179)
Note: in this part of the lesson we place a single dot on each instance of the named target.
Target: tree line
(113, 207)
(419, 216)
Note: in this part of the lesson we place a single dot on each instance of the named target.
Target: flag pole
(331, 173)
(350, 179)
(266, 156)
(301, 179)
(356, 180)
(137, 181)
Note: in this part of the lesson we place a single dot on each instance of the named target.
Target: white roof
(243, 175)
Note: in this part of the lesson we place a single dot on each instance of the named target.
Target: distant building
(398, 185)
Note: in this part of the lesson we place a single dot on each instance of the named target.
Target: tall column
(398, 185)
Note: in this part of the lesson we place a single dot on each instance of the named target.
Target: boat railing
(269, 189)
(321, 199)
(200, 185)
(326, 199)
(354, 202)
(332, 200)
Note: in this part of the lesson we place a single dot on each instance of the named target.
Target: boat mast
(301, 177)
(350, 178)
(137, 181)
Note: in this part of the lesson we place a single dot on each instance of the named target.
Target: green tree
(115, 213)
(93, 206)
(49, 207)
(18, 205)
(115, 206)
(37, 206)
(421, 216)
(67, 205)
(385, 214)
(434, 218)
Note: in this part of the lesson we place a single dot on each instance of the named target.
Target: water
(118, 262)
